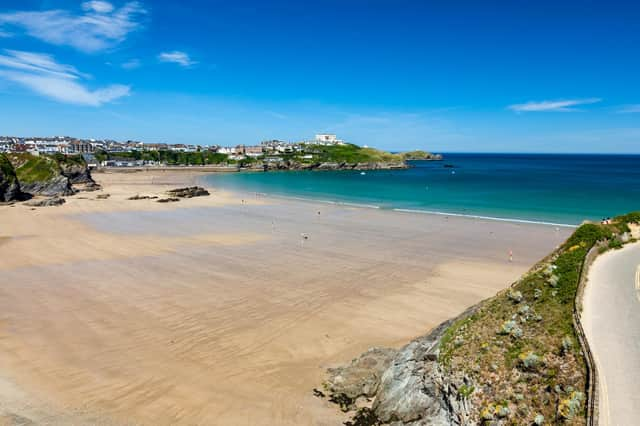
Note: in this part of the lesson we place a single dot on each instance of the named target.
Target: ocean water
(559, 189)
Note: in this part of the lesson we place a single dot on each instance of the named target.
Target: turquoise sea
(560, 189)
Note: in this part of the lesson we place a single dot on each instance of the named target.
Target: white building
(328, 139)
(226, 150)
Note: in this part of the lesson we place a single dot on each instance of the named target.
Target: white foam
(499, 219)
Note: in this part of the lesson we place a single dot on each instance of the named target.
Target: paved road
(611, 319)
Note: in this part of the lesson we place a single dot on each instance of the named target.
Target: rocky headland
(9, 184)
(516, 358)
(23, 176)
(328, 166)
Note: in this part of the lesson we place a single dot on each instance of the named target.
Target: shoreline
(201, 180)
(212, 310)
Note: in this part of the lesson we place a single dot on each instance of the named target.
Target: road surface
(611, 320)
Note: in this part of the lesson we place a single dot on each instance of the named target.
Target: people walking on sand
(510, 255)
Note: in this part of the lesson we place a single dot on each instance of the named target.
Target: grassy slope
(416, 155)
(30, 168)
(349, 153)
(520, 347)
(6, 168)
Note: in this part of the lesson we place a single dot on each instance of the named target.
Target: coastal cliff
(297, 165)
(513, 359)
(9, 185)
(49, 176)
(307, 156)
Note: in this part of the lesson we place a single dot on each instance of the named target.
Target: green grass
(164, 156)
(348, 153)
(69, 160)
(8, 173)
(416, 155)
(549, 292)
(30, 168)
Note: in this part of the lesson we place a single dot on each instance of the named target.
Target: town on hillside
(71, 145)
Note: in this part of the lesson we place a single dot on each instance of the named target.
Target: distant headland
(324, 152)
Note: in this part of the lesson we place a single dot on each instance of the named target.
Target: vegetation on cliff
(6, 169)
(512, 359)
(30, 168)
(347, 153)
(420, 155)
(171, 158)
(520, 349)
(307, 154)
(49, 175)
(9, 185)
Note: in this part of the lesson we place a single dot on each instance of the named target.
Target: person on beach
(510, 255)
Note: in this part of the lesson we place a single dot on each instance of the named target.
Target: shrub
(465, 391)
(615, 244)
(487, 413)
(529, 361)
(569, 407)
(515, 296)
(567, 345)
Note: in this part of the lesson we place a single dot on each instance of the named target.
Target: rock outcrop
(188, 192)
(77, 173)
(56, 186)
(360, 378)
(295, 165)
(408, 386)
(9, 185)
(46, 202)
(51, 175)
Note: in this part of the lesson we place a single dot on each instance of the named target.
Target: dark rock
(89, 187)
(76, 173)
(142, 197)
(46, 202)
(362, 376)
(409, 388)
(168, 200)
(189, 192)
(9, 185)
(57, 186)
(102, 196)
(294, 165)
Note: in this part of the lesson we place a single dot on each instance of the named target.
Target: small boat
(362, 173)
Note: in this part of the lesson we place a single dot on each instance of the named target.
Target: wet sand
(215, 311)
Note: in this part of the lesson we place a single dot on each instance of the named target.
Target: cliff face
(294, 165)
(513, 359)
(49, 175)
(77, 173)
(9, 185)
(407, 386)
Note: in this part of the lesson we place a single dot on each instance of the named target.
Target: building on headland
(328, 139)
(72, 146)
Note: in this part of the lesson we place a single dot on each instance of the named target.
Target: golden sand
(212, 310)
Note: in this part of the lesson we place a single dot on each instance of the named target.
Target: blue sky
(481, 76)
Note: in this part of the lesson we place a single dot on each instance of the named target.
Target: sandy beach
(214, 310)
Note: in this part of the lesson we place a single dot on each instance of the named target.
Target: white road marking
(604, 395)
(638, 283)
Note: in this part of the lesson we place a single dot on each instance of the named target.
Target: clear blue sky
(497, 76)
